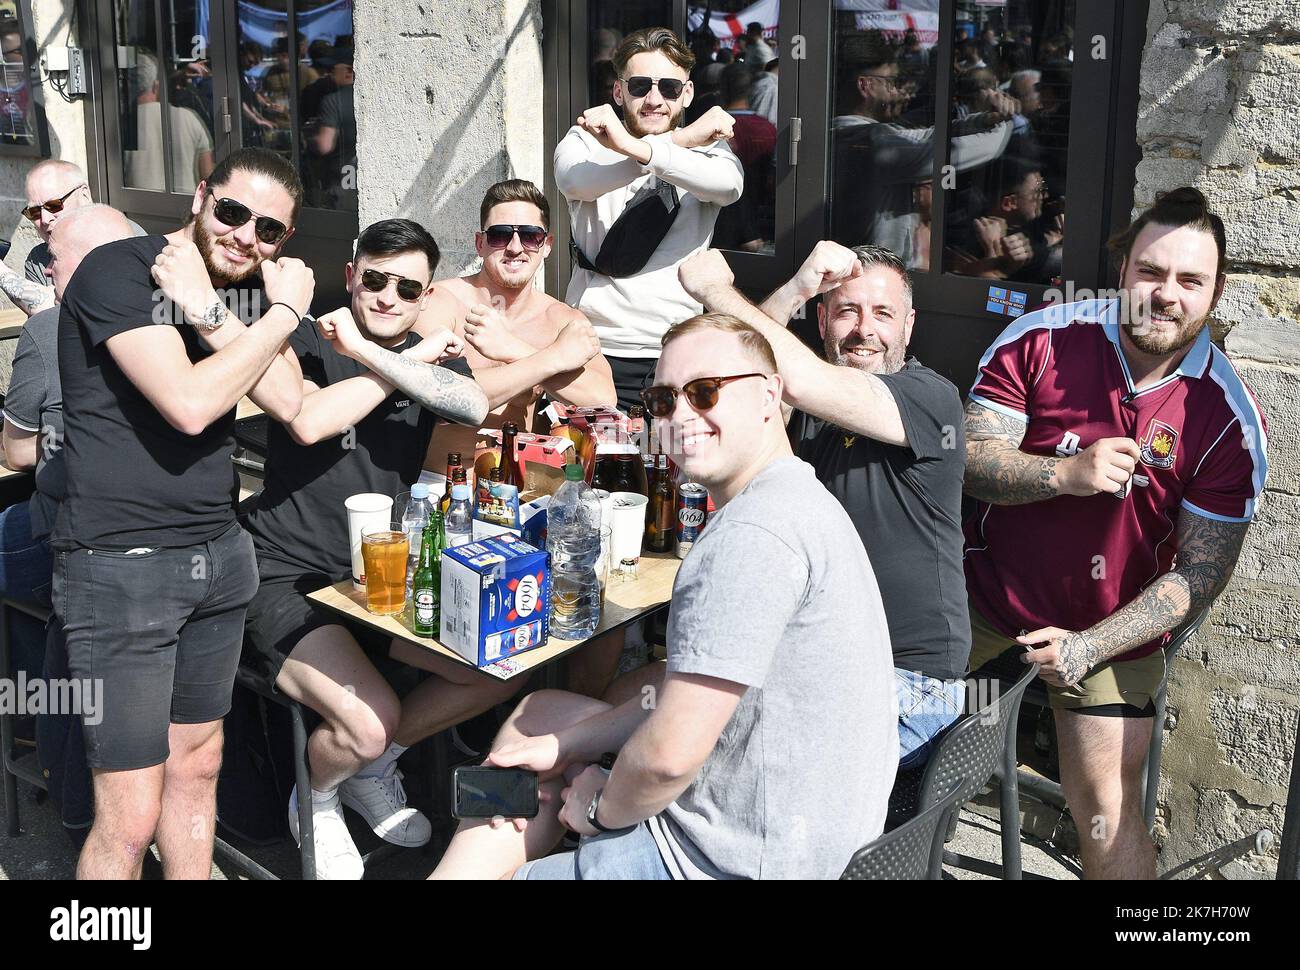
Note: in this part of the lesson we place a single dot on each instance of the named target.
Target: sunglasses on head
(701, 394)
(669, 87)
(376, 282)
(235, 214)
(532, 237)
(52, 206)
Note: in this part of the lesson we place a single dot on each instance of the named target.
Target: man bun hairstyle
(515, 190)
(258, 161)
(754, 342)
(647, 41)
(1176, 208)
(392, 237)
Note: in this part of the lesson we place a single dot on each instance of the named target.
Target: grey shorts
(633, 854)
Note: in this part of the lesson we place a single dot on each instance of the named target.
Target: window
(22, 115)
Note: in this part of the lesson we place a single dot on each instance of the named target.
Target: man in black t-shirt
(152, 572)
(372, 392)
(885, 435)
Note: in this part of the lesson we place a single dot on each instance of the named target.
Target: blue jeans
(925, 707)
(26, 568)
(610, 855)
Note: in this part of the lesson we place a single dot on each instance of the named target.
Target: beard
(887, 362)
(633, 123)
(218, 270)
(1162, 343)
(518, 281)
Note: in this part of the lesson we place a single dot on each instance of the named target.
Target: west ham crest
(1159, 444)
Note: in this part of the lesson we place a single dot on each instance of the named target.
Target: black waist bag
(635, 234)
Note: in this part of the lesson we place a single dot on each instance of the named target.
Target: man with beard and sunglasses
(1106, 439)
(884, 435)
(372, 394)
(521, 343)
(643, 195)
(152, 571)
(771, 746)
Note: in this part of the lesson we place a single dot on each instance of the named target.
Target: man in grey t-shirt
(770, 749)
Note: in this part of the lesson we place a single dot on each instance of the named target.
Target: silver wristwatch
(211, 318)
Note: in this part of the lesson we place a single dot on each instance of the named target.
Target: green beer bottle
(426, 585)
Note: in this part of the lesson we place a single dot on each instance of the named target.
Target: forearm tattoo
(442, 391)
(997, 471)
(25, 294)
(1207, 555)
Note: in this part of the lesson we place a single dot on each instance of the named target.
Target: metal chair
(914, 850)
(968, 754)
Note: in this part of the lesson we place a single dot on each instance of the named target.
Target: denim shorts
(161, 630)
(611, 855)
(926, 706)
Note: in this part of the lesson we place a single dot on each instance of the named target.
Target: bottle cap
(420, 490)
(573, 473)
(459, 492)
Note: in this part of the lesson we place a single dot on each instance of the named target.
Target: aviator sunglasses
(532, 237)
(376, 282)
(52, 206)
(669, 87)
(235, 214)
(701, 394)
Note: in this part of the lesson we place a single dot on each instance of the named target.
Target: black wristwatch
(606, 764)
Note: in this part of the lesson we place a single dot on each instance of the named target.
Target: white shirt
(190, 139)
(631, 314)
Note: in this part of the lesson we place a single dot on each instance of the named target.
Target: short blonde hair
(751, 339)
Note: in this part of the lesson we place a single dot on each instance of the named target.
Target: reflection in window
(736, 69)
(313, 73)
(17, 122)
(608, 22)
(882, 130)
(1006, 216)
(172, 153)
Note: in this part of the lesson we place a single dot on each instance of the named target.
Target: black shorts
(160, 630)
(280, 615)
(631, 376)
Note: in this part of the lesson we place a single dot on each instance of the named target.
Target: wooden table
(246, 409)
(11, 323)
(625, 601)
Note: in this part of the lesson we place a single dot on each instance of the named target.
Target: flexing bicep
(1208, 550)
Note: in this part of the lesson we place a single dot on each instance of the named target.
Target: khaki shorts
(1133, 682)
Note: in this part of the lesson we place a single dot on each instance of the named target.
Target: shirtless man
(511, 327)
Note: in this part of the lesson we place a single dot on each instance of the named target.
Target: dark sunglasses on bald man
(235, 214)
(701, 394)
(376, 282)
(669, 87)
(531, 237)
(52, 206)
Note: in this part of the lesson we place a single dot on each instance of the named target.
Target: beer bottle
(663, 509)
(426, 587)
(511, 473)
(459, 476)
(453, 462)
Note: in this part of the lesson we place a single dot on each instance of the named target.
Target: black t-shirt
(299, 524)
(133, 479)
(906, 504)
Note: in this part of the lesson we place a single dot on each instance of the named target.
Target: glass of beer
(385, 554)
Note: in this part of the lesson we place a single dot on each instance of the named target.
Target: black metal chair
(15, 768)
(968, 754)
(914, 850)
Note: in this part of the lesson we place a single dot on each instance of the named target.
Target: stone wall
(1220, 93)
(449, 101)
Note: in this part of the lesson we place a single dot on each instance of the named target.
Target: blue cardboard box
(496, 599)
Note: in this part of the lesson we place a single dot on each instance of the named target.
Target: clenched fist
(289, 281)
(575, 344)
(714, 125)
(182, 276)
(827, 266)
(1104, 466)
(607, 128)
(487, 331)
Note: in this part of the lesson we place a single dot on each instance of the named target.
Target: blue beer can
(692, 510)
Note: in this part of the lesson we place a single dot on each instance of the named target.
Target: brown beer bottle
(663, 509)
(458, 476)
(453, 462)
(511, 473)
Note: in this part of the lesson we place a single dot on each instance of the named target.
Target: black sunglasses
(669, 87)
(235, 214)
(53, 206)
(701, 394)
(376, 282)
(532, 237)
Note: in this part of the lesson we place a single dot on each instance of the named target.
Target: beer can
(692, 505)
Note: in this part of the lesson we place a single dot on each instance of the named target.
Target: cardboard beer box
(496, 599)
(532, 524)
(541, 458)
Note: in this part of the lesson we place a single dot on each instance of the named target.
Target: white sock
(379, 767)
(324, 799)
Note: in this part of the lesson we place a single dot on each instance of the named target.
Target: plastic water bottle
(573, 541)
(418, 514)
(459, 521)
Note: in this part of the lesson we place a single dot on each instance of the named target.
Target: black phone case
(455, 785)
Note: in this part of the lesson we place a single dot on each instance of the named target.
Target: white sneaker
(336, 854)
(381, 801)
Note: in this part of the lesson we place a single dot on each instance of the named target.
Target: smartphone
(479, 791)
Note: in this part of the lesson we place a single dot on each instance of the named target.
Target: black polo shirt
(906, 504)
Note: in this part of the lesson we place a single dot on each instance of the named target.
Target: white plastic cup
(627, 526)
(606, 506)
(366, 510)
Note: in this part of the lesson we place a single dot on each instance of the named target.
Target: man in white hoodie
(671, 181)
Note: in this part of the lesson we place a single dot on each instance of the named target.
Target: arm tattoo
(1207, 555)
(442, 391)
(25, 294)
(997, 471)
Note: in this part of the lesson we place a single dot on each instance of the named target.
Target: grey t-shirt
(778, 594)
(37, 260)
(35, 403)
